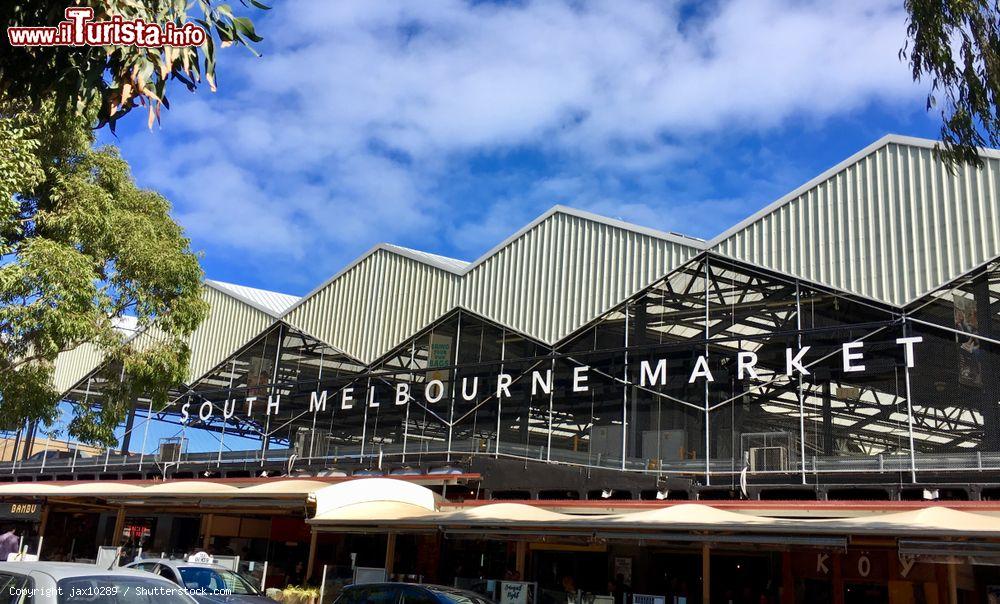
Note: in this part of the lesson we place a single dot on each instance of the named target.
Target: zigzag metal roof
(889, 223)
(236, 315)
(552, 276)
(272, 303)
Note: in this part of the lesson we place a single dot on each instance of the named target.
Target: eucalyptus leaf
(84, 250)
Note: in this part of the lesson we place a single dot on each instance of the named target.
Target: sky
(445, 126)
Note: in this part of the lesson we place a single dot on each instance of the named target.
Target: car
(54, 455)
(205, 581)
(70, 582)
(407, 593)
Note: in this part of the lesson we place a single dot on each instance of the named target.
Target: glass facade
(719, 371)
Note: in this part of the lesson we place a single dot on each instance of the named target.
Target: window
(6, 583)
(413, 595)
(371, 594)
(166, 572)
(457, 596)
(215, 580)
(382, 594)
(117, 589)
(13, 589)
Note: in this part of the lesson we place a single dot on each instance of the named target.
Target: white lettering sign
(821, 566)
(649, 373)
(864, 566)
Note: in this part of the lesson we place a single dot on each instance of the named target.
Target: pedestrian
(620, 589)
(9, 543)
(298, 574)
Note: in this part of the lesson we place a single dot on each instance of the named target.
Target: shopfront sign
(514, 592)
(877, 564)
(21, 511)
(435, 389)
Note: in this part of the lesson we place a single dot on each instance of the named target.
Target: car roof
(430, 586)
(443, 589)
(177, 563)
(64, 570)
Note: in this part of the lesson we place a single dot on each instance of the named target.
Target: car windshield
(118, 589)
(215, 580)
(458, 596)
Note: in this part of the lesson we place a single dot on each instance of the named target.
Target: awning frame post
(953, 583)
(838, 579)
(706, 573)
(787, 579)
(521, 557)
(311, 563)
(116, 536)
(390, 554)
(206, 538)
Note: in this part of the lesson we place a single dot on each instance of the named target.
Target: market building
(832, 356)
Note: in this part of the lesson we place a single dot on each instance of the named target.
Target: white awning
(284, 487)
(190, 487)
(931, 521)
(370, 491)
(373, 512)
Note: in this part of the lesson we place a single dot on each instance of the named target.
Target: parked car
(54, 455)
(407, 593)
(206, 582)
(69, 582)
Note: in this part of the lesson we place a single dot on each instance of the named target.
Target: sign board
(514, 592)
(21, 511)
(364, 574)
(201, 558)
(439, 355)
(107, 556)
(16, 557)
(970, 367)
(623, 567)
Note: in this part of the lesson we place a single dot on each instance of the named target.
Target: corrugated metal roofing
(376, 303)
(891, 223)
(443, 262)
(557, 273)
(566, 271)
(74, 365)
(231, 323)
(272, 303)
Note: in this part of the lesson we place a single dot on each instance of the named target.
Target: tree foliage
(956, 45)
(82, 249)
(116, 79)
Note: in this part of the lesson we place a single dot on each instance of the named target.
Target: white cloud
(360, 121)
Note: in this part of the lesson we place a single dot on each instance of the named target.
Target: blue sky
(447, 125)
